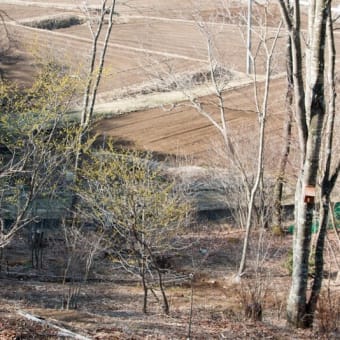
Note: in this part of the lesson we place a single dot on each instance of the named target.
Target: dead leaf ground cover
(110, 304)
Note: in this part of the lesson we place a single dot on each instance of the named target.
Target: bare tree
(311, 115)
(96, 65)
(262, 111)
(287, 141)
(328, 176)
(219, 77)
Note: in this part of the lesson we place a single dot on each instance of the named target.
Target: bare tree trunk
(317, 282)
(101, 64)
(94, 77)
(262, 113)
(90, 92)
(287, 136)
(145, 286)
(166, 307)
(328, 181)
(87, 92)
(296, 305)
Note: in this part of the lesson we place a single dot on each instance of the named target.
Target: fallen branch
(62, 331)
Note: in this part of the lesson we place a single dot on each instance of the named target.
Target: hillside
(157, 77)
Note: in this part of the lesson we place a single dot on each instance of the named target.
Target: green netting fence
(315, 225)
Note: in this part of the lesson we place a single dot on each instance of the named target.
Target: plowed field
(183, 131)
(152, 40)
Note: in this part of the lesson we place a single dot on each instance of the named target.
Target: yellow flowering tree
(36, 144)
(129, 196)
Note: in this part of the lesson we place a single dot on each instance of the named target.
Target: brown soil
(137, 53)
(184, 132)
(137, 45)
(110, 307)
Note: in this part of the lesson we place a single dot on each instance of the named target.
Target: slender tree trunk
(166, 307)
(287, 136)
(94, 77)
(145, 285)
(84, 121)
(262, 117)
(101, 64)
(299, 92)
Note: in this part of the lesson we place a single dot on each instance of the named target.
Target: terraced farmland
(152, 40)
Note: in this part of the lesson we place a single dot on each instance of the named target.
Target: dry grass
(328, 313)
(112, 308)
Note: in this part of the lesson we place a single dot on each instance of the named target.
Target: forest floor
(110, 303)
